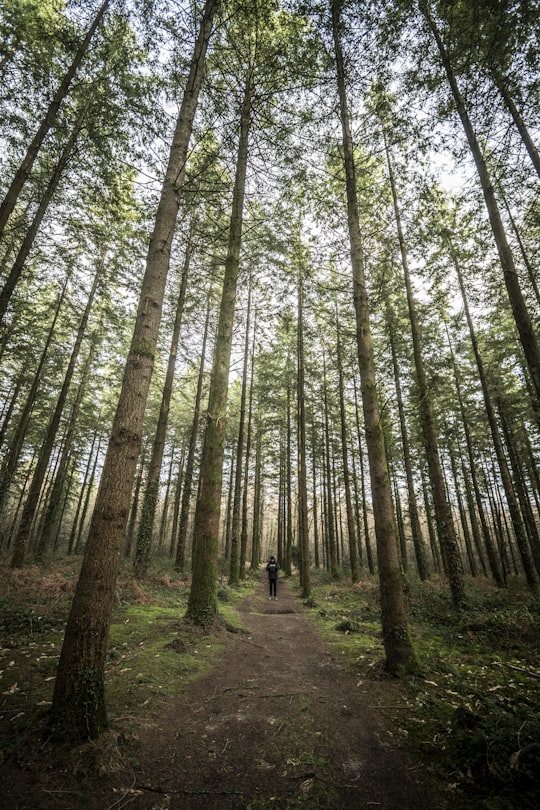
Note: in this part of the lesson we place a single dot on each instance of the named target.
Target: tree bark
(303, 528)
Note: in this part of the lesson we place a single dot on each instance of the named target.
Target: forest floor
(281, 704)
(276, 722)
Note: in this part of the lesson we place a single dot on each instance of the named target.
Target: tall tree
(202, 604)
(78, 708)
(397, 642)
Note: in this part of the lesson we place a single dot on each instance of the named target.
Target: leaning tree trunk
(397, 643)
(494, 565)
(502, 86)
(23, 172)
(78, 709)
(151, 492)
(519, 308)
(12, 456)
(202, 604)
(30, 235)
(443, 511)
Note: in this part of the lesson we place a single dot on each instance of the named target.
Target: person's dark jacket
(272, 569)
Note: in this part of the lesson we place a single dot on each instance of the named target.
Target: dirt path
(277, 724)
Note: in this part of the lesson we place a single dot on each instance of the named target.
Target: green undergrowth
(473, 715)
(153, 651)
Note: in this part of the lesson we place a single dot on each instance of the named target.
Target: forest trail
(277, 723)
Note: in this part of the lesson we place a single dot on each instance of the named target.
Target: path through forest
(278, 723)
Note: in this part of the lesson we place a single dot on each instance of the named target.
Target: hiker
(272, 569)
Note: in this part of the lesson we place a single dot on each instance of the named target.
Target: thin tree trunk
(234, 568)
(502, 86)
(351, 525)
(443, 511)
(244, 526)
(513, 506)
(12, 456)
(202, 604)
(23, 172)
(78, 708)
(303, 528)
(51, 520)
(330, 505)
(30, 235)
(490, 549)
(416, 531)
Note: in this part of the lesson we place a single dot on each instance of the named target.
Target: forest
(269, 285)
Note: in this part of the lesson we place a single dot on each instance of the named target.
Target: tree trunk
(202, 604)
(303, 528)
(351, 525)
(244, 528)
(513, 506)
(78, 709)
(235, 573)
(30, 235)
(502, 86)
(490, 549)
(23, 172)
(416, 531)
(397, 643)
(443, 512)
(51, 520)
(12, 456)
(331, 540)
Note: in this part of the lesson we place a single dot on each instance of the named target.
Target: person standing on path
(272, 569)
